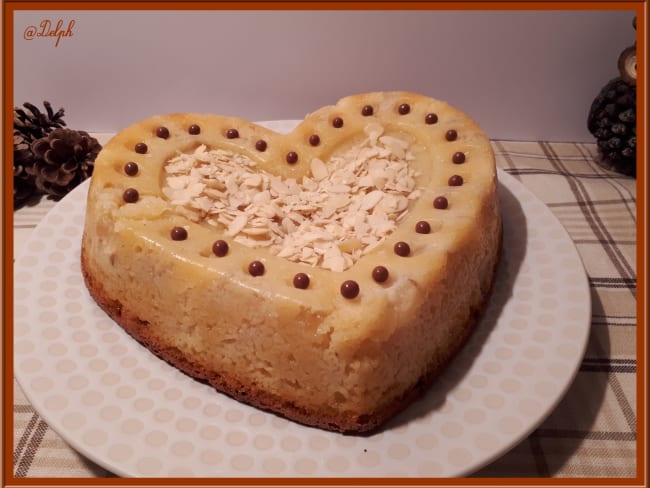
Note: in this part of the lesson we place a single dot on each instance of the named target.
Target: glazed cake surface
(327, 275)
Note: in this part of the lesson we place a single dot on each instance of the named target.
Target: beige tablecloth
(592, 432)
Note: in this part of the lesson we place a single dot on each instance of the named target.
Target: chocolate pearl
(178, 233)
(314, 140)
(130, 195)
(367, 110)
(402, 248)
(404, 109)
(455, 180)
(292, 157)
(422, 227)
(260, 145)
(162, 132)
(232, 133)
(141, 148)
(431, 118)
(194, 129)
(220, 248)
(440, 203)
(380, 274)
(337, 122)
(458, 158)
(131, 168)
(256, 268)
(301, 280)
(451, 135)
(350, 289)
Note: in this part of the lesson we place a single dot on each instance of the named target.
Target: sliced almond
(345, 208)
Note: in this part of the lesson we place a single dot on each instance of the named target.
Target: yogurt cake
(327, 275)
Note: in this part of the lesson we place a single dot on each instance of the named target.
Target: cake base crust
(247, 393)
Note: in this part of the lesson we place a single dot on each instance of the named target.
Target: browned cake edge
(249, 394)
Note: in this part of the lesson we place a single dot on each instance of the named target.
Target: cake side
(444, 342)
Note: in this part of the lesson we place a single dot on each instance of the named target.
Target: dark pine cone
(612, 121)
(62, 160)
(30, 124)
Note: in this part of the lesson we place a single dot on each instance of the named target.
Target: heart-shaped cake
(327, 275)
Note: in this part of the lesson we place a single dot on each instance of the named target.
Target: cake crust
(234, 317)
(247, 393)
(141, 331)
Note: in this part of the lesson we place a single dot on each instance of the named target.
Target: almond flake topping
(341, 211)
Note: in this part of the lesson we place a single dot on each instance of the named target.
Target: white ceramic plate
(135, 415)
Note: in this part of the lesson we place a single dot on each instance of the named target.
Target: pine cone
(29, 125)
(62, 160)
(612, 121)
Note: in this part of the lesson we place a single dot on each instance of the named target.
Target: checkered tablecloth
(593, 430)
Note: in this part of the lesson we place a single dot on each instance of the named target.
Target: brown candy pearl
(430, 118)
(256, 268)
(178, 233)
(404, 109)
(131, 168)
(422, 227)
(367, 110)
(402, 249)
(451, 135)
(440, 203)
(141, 148)
(220, 248)
(458, 158)
(194, 129)
(130, 195)
(232, 133)
(162, 132)
(314, 140)
(380, 274)
(337, 122)
(301, 280)
(350, 289)
(455, 180)
(292, 157)
(260, 145)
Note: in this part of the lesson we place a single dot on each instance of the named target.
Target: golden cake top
(364, 196)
